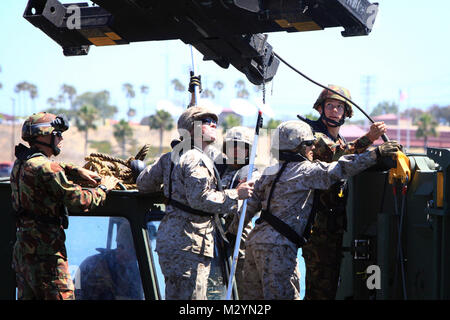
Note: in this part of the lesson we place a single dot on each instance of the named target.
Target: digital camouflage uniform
(323, 251)
(271, 266)
(185, 240)
(40, 190)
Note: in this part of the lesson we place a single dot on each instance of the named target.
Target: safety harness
(189, 209)
(275, 222)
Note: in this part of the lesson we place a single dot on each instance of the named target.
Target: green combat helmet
(42, 124)
(327, 94)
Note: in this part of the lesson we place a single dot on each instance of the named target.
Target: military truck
(396, 244)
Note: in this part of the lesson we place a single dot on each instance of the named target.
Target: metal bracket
(362, 249)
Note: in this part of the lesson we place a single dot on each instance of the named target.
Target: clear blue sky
(407, 50)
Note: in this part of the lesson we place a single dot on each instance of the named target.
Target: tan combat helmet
(289, 135)
(242, 135)
(327, 94)
(239, 134)
(195, 113)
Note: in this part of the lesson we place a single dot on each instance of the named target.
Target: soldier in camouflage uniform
(113, 274)
(233, 169)
(285, 194)
(185, 237)
(323, 252)
(41, 194)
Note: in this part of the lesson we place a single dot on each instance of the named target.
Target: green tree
(426, 127)
(129, 94)
(144, 91)
(122, 132)
(413, 113)
(69, 92)
(441, 114)
(85, 119)
(206, 93)
(242, 91)
(100, 100)
(385, 107)
(272, 124)
(230, 121)
(33, 91)
(21, 88)
(161, 120)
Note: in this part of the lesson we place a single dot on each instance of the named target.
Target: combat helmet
(289, 136)
(239, 134)
(195, 113)
(42, 124)
(327, 94)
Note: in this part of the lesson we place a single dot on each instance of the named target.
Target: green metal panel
(7, 239)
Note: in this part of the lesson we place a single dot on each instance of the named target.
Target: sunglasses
(209, 121)
(308, 143)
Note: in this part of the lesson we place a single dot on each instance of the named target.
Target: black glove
(61, 123)
(195, 81)
(136, 167)
(388, 149)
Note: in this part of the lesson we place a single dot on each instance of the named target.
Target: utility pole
(13, 128)
(367, 82)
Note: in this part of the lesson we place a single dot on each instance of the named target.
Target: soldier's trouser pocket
(45, 277)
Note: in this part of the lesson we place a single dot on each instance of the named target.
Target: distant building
(401, 130)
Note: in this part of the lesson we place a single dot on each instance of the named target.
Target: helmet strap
(51, 145)
(331, 122)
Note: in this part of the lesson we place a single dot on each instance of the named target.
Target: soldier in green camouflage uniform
(323, 252)
(41, 195)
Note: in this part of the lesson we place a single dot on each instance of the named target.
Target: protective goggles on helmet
(308, 143)
(60, 124)
(209, 121)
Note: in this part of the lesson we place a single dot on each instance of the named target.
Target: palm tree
(122, 132)
(33, 91)
(241, 90)
(426, 126)
(129, 93)
(161, 120)
(70, 92)
(85, 120)
(144, 91)
(178, 87)
(100, 100)
(20, 89)
(1, 85)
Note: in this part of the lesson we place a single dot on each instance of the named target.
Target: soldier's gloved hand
(195, 81)
(388, 149)
(245, 190)
(136, 167)
(109, 182)
(61, 123)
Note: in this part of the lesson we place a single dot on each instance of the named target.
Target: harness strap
(282, 227)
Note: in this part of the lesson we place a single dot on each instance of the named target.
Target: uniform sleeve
(152, 177)
(199, 194)
(359, 145)
(321, 175)
(73, 196)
